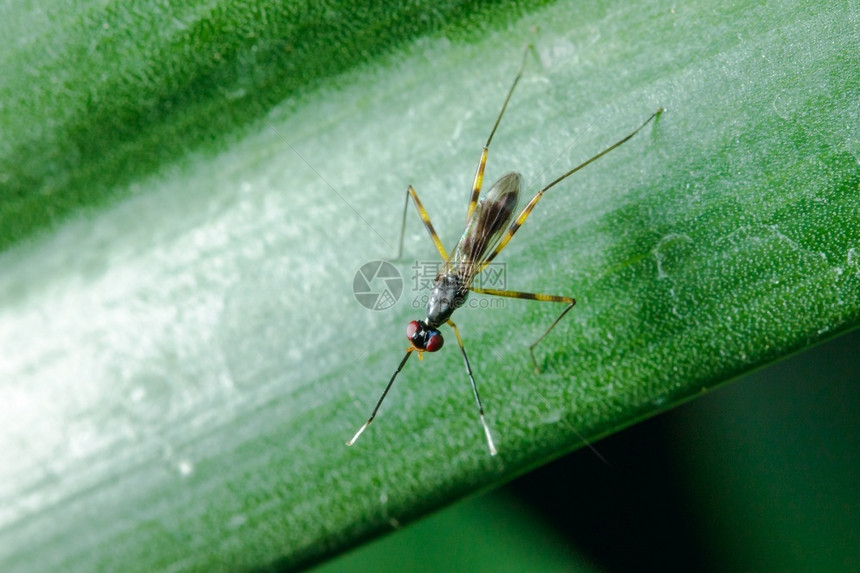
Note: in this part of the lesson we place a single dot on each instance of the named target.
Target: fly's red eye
(434, 341)
(411, 329)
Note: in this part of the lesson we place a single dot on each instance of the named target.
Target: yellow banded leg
(425, 218)
(533, 296)
(479, 172)
(524, 214)
(479, 181)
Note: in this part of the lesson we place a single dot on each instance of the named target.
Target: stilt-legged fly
(490, 225)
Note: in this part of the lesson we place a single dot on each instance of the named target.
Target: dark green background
(757, 476)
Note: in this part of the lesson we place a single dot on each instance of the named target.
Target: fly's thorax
(447, 295)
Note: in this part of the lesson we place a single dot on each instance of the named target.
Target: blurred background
(758, 475)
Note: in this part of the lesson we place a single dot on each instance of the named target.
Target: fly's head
(423, 338)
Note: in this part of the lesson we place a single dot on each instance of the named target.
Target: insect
(490, 225)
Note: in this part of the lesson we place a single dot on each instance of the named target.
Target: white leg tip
(493, 450)
(357, 434)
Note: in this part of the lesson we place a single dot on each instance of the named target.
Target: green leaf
(188, 193)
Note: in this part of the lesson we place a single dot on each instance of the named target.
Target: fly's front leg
(479, 172)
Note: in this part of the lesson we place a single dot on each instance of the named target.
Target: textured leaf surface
(180, 369)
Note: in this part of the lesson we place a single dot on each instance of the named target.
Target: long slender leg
(490, 443)
(479, 172)
(532, 296)
(476, 185)
(384, 393)
(524, 214)
(425, 218)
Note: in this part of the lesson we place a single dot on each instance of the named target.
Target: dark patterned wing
(489, 220)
